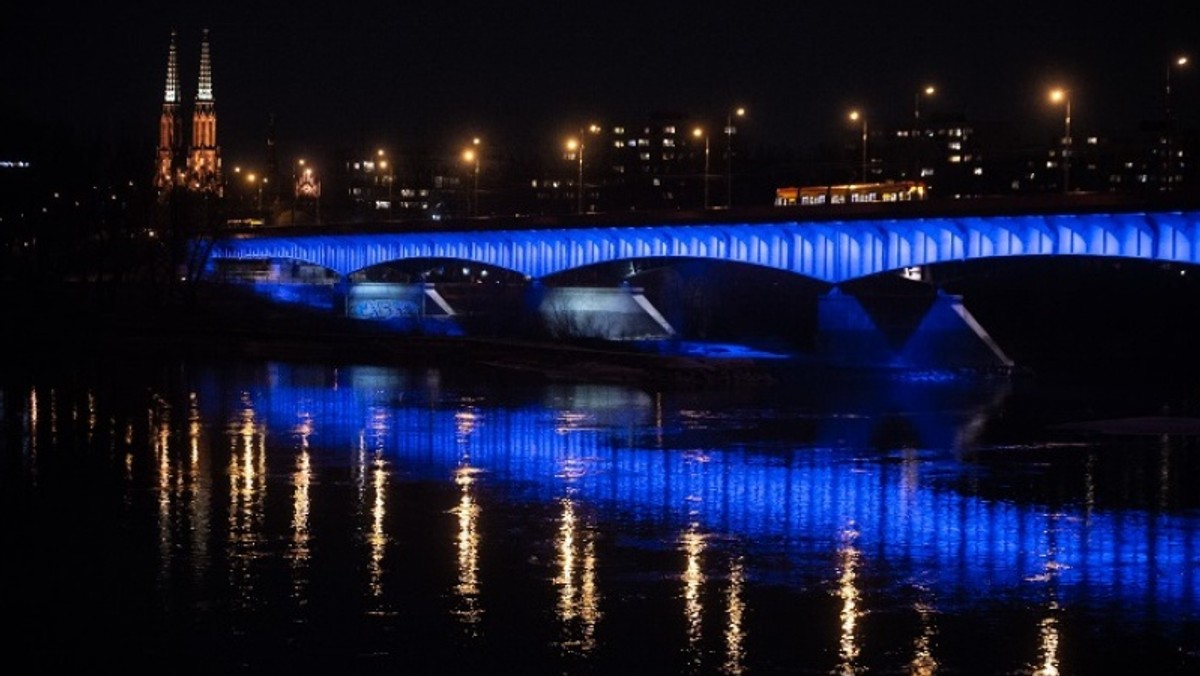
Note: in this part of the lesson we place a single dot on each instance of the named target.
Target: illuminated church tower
(169, 167)
(204, 157)
(199, 168)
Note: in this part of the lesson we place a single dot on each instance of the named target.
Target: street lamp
(296, 170)
(928, 90)
(1169, 122)
(1063, 96)
(256, 185)
(856, 116)
(388, 175)
(730, 130)
(576, 146)
(471, 156)
(698, 132)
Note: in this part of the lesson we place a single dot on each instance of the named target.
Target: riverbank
(216, 324)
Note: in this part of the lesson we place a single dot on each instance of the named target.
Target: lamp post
(256, 185)
(576, 146)
(698, 132)
(471, 156)
(296, 169)
(1064, 97)
(1169, 124)
(386, 174)
(730, 130)
(856, 116)
(928, 90)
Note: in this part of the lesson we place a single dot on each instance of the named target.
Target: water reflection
(735, 617)
(301, 508)
(924, 663)
(578, 588)
(847, 591)
(372, 473)
(469, 610)
(810, 488)
(1048, 627)
(199, 497)
(247, 472)
(693, 587)
(734, 508)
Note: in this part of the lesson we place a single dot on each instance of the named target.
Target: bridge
(831, 245)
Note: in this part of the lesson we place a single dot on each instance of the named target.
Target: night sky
(522, 74)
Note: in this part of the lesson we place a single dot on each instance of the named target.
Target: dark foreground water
(204, 517)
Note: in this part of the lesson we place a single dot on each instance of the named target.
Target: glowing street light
(388, 174)
(576, 146)
(471, 156)
(1064, 97)
(856, 116)
(730, 130)
(256, 183)
(698, 132)
(1177, 62)
(928, 90)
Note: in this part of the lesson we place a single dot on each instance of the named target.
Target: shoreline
(238, 328)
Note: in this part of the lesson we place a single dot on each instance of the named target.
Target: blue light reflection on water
(865, 491)
(610, 446)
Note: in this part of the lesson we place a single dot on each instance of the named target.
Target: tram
(852, 193)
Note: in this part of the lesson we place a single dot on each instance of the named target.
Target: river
(204, 514)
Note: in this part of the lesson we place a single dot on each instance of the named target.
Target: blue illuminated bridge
(830, 244)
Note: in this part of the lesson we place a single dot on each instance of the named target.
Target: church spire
(204, 91)
(169, 164)
(172, 94)
(204, 160)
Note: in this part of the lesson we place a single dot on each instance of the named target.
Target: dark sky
(522, 74)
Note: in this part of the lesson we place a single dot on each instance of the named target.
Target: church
(196, 167)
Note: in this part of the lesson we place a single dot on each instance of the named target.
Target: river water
(198, 515)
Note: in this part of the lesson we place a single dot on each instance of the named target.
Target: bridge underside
(819, 293)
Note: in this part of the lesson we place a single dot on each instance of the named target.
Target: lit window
(669, 129)
(978, 171)
(668, 143)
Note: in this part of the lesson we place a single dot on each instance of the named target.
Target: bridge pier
(607, 313)
(933, 331)
(408, 307)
